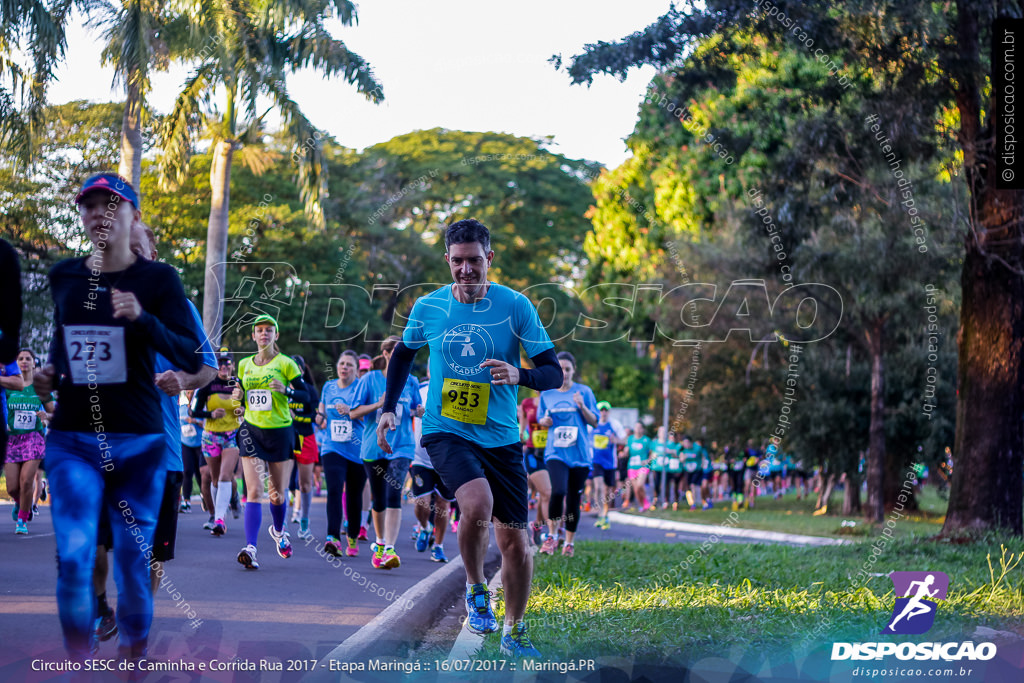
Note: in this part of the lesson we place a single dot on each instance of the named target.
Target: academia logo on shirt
(465, 347)
(914, 612)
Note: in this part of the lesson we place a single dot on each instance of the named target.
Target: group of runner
(132, 398)
(142, 401)
(269, 416)
(622, 468)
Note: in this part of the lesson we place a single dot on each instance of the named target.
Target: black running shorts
(271, 445)
(459, 461)
(426, 481)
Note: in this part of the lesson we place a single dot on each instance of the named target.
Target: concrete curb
(468, 643)
(720, 530)
(396, 625)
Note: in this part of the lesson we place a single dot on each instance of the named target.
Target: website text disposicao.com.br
(912, 672)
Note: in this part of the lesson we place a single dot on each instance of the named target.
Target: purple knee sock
(278, 512)
(253, 522)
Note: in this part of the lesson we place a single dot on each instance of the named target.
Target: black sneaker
(106, 627)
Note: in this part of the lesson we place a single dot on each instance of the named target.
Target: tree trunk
(895, 477)
(130, 166)
(851, 494)
(875, 509)
(986, 488)
(988, 450)
(217, 240)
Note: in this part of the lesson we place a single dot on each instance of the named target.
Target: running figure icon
(914, 613)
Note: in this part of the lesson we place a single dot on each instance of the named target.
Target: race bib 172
(341, 431)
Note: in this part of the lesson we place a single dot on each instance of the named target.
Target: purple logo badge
(914, 612)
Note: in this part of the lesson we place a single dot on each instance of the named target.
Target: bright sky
(456, 64)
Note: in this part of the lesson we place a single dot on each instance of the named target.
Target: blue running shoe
(421, 540)
(517, 644)
(480, 618)
(437, 554)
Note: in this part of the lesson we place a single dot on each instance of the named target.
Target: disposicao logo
(913, 614)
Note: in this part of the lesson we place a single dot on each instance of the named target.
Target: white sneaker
(247, 557)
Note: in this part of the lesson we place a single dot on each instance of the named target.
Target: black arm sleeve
(56, 357)
(174, 339)
(10, 303)
(547, 373)
(398, 372)
(300, 392)
(199, 401)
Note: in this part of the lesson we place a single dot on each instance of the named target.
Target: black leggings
(736, 476)
(672, 486)
(339, 471)
(566, 490)
(386, 480)
(192, 459)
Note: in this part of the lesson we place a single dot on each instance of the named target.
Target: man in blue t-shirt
(474, 329)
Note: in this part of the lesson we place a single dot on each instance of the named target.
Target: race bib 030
(258, 400)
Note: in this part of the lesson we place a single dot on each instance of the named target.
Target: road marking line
(719, 530)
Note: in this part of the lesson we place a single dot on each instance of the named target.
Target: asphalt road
(291, 610)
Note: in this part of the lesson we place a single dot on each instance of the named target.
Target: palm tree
(136, 34)
(247, 48)
(23, 89)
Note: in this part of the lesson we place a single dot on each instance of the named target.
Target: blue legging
(87, 471)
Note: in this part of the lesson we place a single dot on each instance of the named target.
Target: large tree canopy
(746, 118)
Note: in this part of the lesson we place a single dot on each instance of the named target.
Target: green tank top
(22, 411)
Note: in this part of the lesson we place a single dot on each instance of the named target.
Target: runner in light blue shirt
(342, 442)
(386, 469)
(475, 329)
(566, 412)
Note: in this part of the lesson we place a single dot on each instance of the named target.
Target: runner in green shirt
(638, 446)
(268, 381)
(25, 446)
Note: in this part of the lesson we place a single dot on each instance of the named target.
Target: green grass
(793, 516)
(616, 599)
